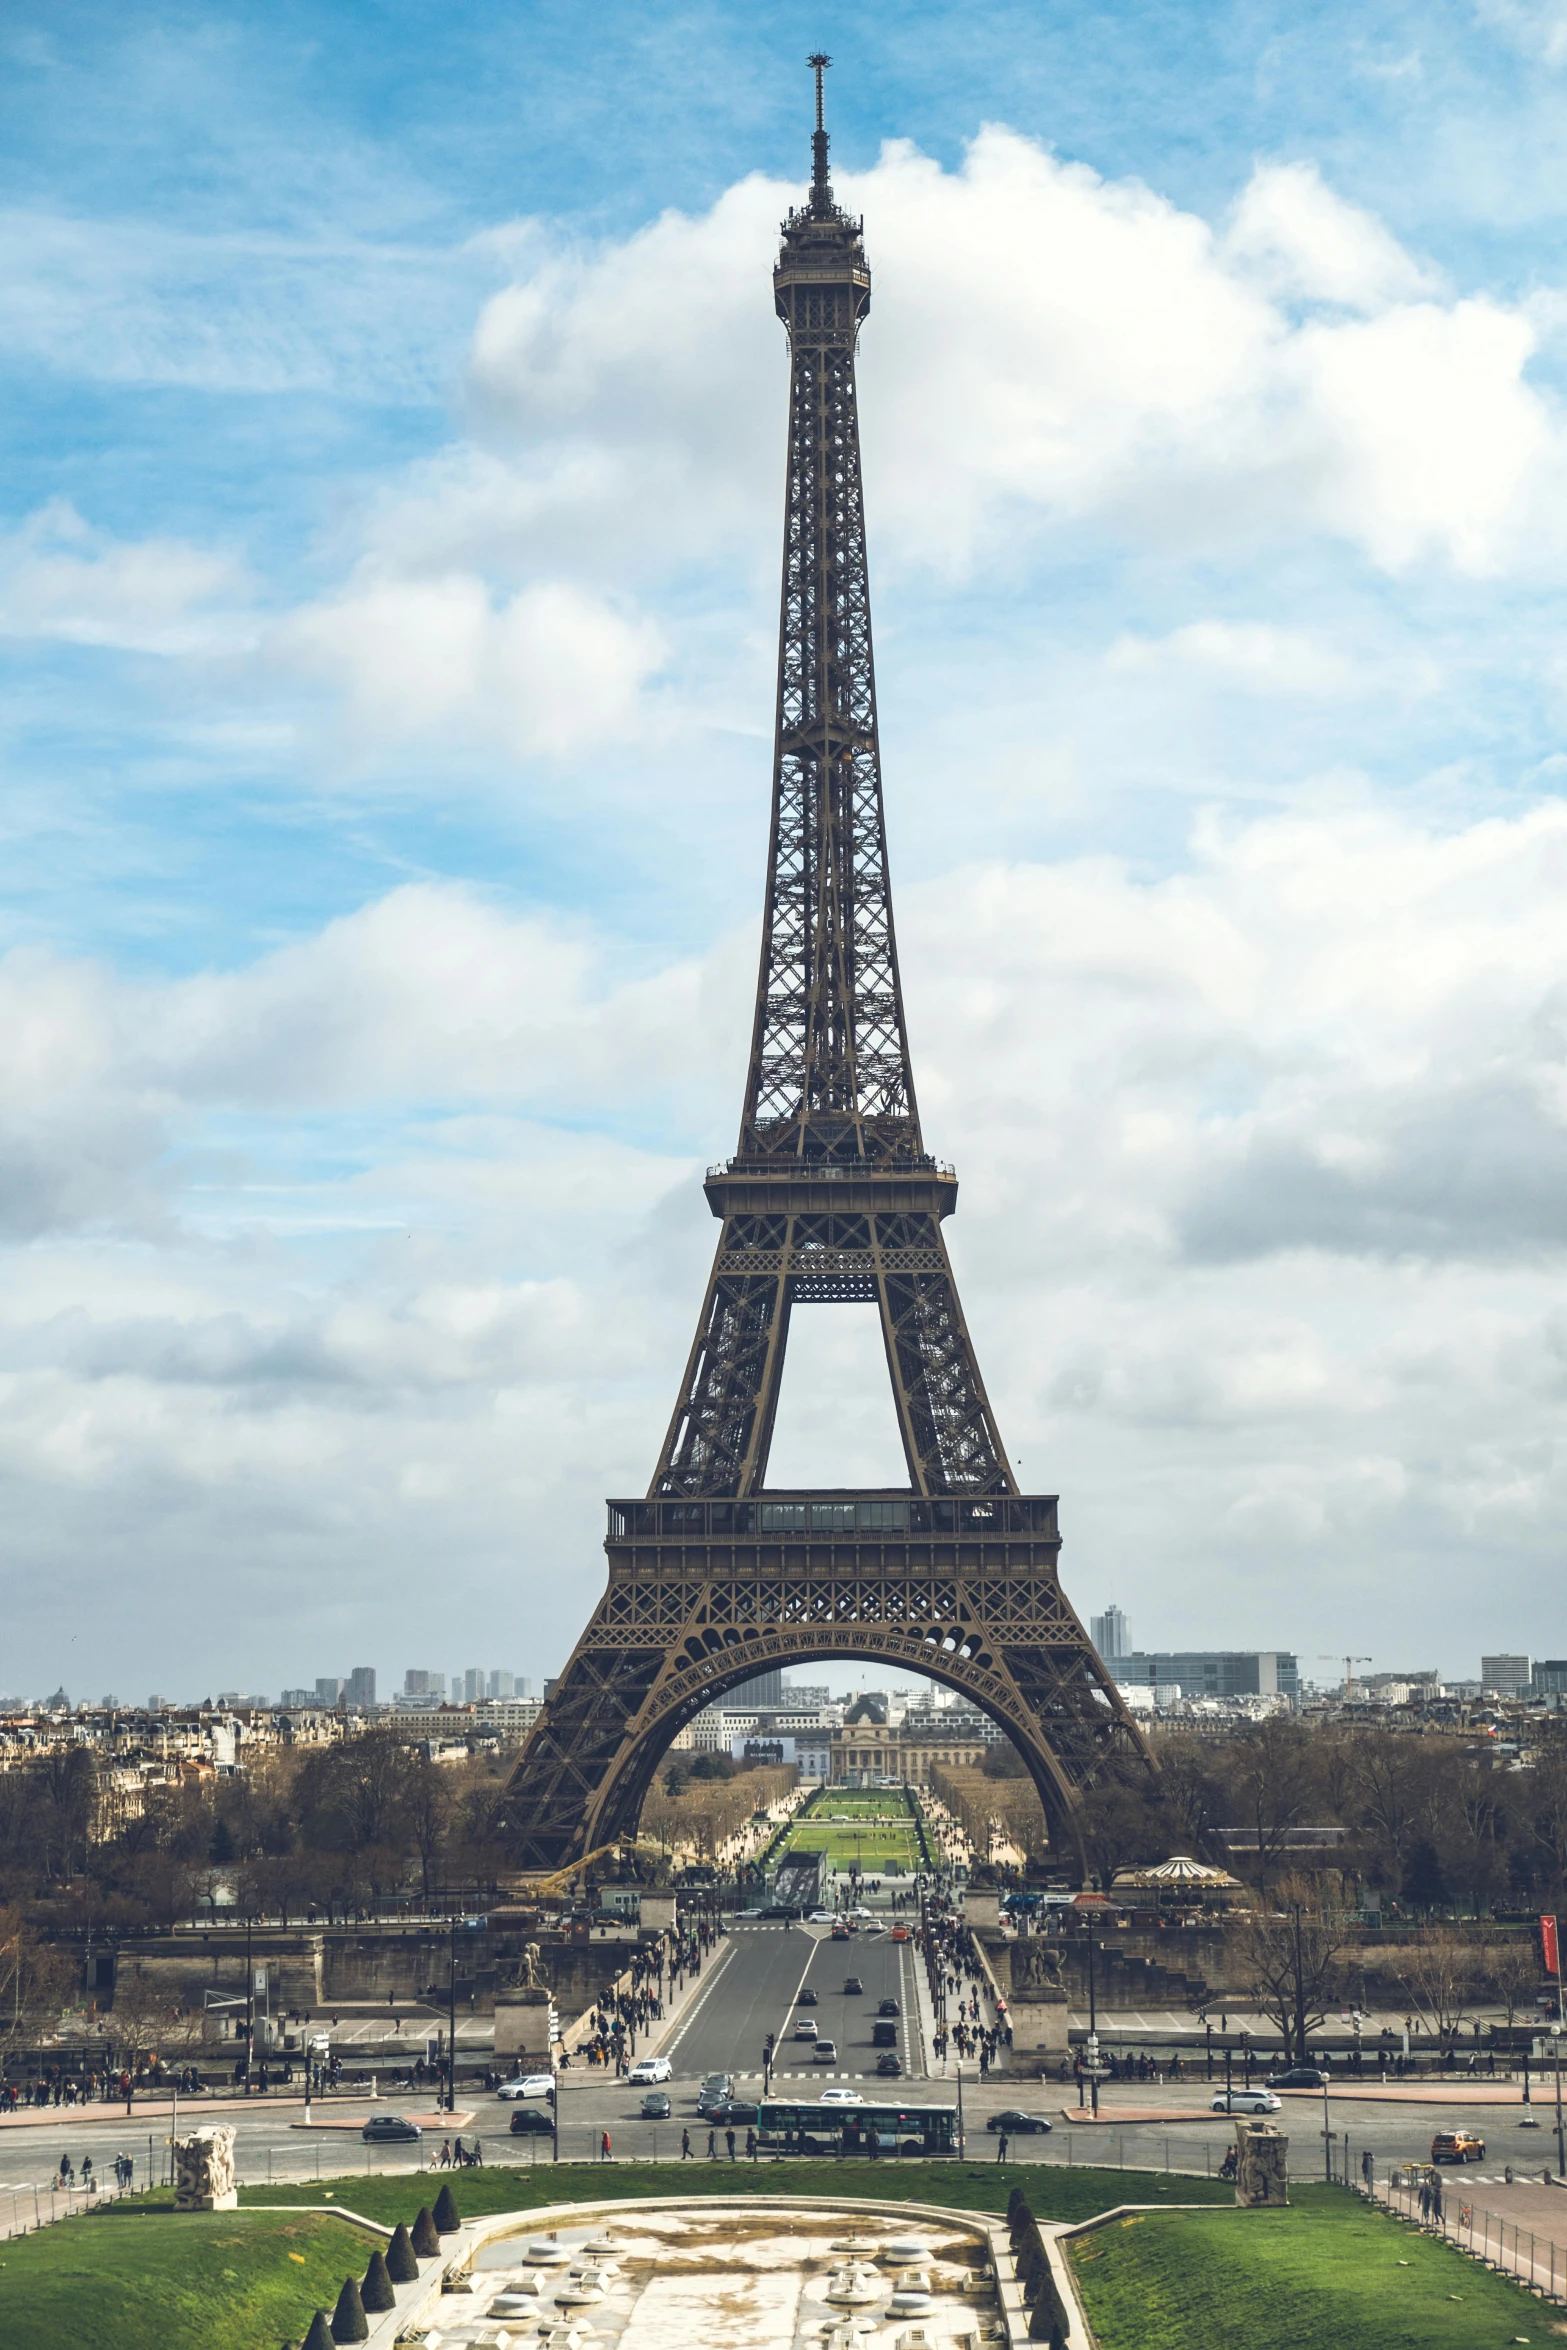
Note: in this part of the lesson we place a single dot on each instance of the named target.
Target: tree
(1512, 1972)
(1440, 1973)
(1293, 1961)
(1270, 1780)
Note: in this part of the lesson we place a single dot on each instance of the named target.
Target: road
(757, 1990)
(750, 1987)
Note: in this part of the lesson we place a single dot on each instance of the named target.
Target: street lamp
(451, 2023)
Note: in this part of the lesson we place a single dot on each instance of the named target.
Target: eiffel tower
(831, 1197)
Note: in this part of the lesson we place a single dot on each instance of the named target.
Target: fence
(1535, 2259)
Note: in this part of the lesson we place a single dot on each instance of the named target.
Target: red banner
(1548, 1949)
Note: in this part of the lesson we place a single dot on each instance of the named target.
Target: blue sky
(392, 409)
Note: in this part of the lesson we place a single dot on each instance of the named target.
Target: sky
(392, 408)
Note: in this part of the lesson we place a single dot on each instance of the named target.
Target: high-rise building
(1110, 1633)
(524, 1685)
(1549, 1678)
(361, 1685)
(763, 1689)
(475, 1684)
(1504, 1676)
(1213, 1672)
(296, 1697)
(502, 1684)
(329, 1689)
(424, 1684)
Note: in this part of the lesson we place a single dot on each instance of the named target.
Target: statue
(204, 2171)
(530, 1975)
(1261, 2171)
(1037, 1965)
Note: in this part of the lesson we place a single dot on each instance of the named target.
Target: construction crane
(1349, 1663)
(556, 1880)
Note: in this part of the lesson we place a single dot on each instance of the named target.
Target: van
(884, 2035)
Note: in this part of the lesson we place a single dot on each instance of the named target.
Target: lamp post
(1556, 2051)
(1093, 2029)
(451, 2023)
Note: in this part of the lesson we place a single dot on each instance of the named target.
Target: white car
(1245, 2101)
(840, 2097)
(650, 2070)
(527, 2085)
(823, 1917)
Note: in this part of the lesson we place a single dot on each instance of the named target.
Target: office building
(361, 1686)
(329, 1689)
(1549, 1678)
(763, 1690)
(1111, 1634)
(1505, 1676)
(1214, 1672)
(425, 1684)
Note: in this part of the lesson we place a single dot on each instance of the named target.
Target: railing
(1536, 2259)
(832, 1170)
(992, 1514)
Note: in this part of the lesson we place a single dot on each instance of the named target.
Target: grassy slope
(146, 2279)
(1325, 2271)
(1055, 2194)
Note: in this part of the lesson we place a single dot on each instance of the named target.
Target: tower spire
(821, 186)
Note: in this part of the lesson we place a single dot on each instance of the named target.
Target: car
(1299, 2076)
(807, 1998)
(719, 2083)
(852, 1986)
(1020, 2125)
(527, 2085)
(889, 2063)
(389, 2125)
(1457, 2146)
(889, 2007)
(719, 2094)
(651, 2068)
(805, 2029)
(840, 2097)
(840, 1932)
(825, 2052)
(656, 2106)
(1245, 2101)
(900, 1933)
(884, 2035)
(533, 2121)
(823, 1917)
(735, 2112)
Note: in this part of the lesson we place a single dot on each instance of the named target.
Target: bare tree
(1512, 1973)
(1293, 1961)
(1440, 1973)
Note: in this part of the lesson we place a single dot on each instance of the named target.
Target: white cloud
(1251, 655)
(547, 671)
(1304, 243)
(61, 578)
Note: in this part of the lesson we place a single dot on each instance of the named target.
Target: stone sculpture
(204, 2171)
(1261, 2169)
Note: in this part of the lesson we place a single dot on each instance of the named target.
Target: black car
(851, 1984)
(889, 2063)
(735, 2111)
(884, 2035)
(1299, 2076)
(889, 2007)
(389, 2125)
(1020, 2125)
(807, 1998)
(656, 2106)
(532, 2121)
(782, 1909)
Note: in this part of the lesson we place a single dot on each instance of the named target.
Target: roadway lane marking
(688, 2019)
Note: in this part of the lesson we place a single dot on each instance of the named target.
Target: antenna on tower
(821, 189)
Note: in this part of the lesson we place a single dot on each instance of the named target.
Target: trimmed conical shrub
(320, 2334)
(349, 2323)
(426, 2237)
(376, 2291)
(447, 2216)
(401, 2266)
(1018, 2215)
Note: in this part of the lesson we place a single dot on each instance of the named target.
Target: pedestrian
(1366, 2169)
(729, 2141)
(445, 2162)
(712, 2146)
(87, 2177)
(605, 2154)
(685, 2145)
(750, 2145)
(1001, 2146)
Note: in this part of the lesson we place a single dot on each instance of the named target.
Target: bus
(795, 2126)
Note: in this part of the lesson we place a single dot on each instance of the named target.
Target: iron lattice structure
(829, 1198)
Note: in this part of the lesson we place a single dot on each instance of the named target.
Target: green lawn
(1327, 2271)
(142, 2278)
(1056, 2193)
(878, 1829)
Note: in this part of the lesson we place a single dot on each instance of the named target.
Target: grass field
(877, 1828)
(141, 2278)
(1325, 2271)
